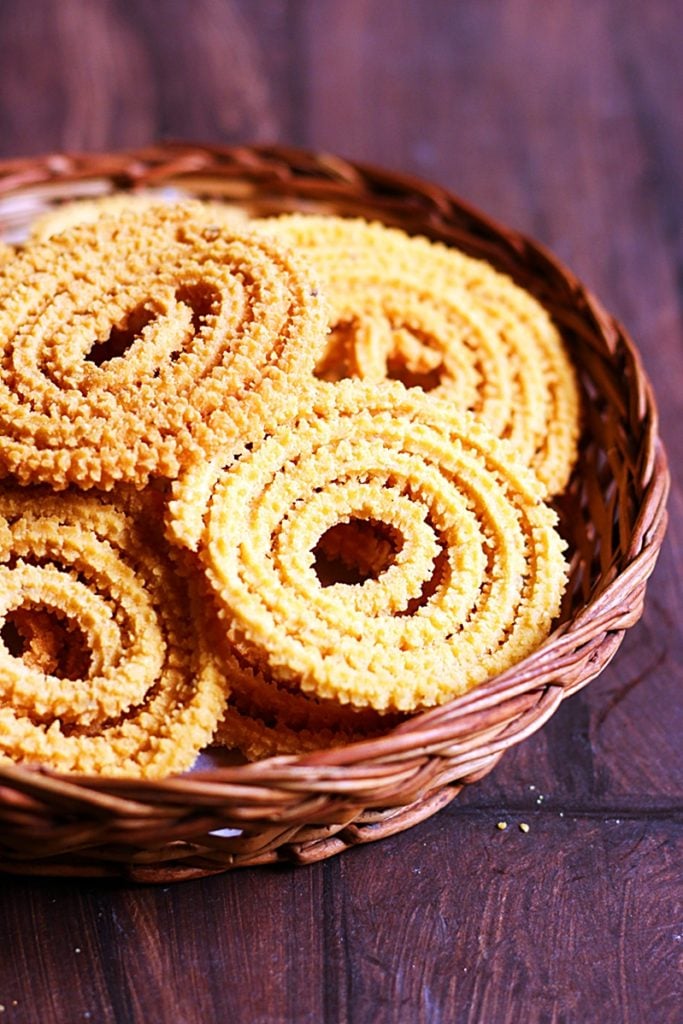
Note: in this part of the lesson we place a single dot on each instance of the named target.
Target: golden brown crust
(363, 549)
(410, 308)
(473, 588)
(140, 693)
(86, 211)
(131, 346)
(263, 718)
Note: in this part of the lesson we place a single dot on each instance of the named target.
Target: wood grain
(454, 915)
(563, 120)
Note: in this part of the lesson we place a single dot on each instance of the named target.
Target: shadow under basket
(304, 809)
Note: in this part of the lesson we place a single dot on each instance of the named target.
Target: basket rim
(345, 769)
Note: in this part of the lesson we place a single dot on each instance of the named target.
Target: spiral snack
(133, 345)
(437, 319)
(86, 211)
(263, 719)
(474, 581)
(104, 660)
(259, 735)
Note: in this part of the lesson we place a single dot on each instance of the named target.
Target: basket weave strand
(305, 809)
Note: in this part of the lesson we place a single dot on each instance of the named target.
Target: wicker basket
(308, 808)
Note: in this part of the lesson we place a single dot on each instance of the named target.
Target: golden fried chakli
(86, 211)
(473, 585)
(263, 719)
(133, 345)
(257, 736)
(435, 318)
(104, 660)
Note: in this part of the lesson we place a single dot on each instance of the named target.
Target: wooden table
(563, 120)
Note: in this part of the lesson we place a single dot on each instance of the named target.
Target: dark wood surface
(562, 118)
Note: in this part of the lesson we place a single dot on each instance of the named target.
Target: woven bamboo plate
(308, 808)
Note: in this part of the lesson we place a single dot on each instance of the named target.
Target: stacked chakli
(269, 485)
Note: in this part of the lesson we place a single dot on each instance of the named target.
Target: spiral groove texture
(135, 344)
(104, 660)
(473, 586)
(437, 319)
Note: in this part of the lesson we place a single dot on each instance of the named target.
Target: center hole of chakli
(337, 362)
(47, 642)
(414, 361)
(201, 299)
(356, 551)
(121, 336)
